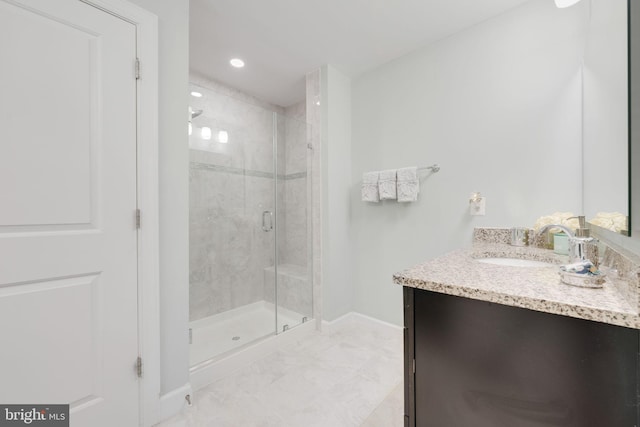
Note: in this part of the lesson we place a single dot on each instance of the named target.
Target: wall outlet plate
(477, 208)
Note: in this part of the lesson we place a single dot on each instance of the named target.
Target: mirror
(634, 117)
(605, 115)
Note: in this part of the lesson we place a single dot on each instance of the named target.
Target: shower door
(293, 284)
(248, 224)
(232, 227)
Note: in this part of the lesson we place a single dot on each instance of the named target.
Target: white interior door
(68, 286)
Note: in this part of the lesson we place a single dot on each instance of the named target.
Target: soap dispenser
(581, 245)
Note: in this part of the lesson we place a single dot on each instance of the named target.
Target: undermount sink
(515, 262)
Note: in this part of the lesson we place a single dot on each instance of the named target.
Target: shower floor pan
(221, 333)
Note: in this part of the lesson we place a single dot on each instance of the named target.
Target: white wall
(498, 107)
(173, 20)
(337, 278)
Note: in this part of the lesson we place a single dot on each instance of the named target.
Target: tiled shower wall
(231, 184)
(293, 244)
(314, 188)
(294, 284)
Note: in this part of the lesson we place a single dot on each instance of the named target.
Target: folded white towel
(387, 184)
(370, 187)
(408, 184)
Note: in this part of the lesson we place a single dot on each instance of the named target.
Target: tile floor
(349, 377)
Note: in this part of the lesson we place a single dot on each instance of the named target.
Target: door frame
(147, 199)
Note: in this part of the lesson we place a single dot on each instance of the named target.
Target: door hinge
(137, 218)
(137, 68)
(139, 367)
(190, 336)
(414, 366)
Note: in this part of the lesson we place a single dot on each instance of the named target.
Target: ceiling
(282, 40)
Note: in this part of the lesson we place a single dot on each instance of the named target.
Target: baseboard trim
(374, 320)
(173, 402)
(330, 325)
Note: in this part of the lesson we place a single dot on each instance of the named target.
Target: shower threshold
(222, 333)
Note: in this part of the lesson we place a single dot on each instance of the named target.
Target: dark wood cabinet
(472, 363)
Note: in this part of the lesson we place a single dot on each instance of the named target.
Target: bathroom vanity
(490, 345)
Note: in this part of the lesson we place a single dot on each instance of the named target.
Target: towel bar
(433, 168)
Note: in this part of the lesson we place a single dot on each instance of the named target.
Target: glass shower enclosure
(249, 224)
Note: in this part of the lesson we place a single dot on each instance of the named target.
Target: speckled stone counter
(459, 273)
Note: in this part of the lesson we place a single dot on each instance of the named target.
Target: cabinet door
(488, 365)
(409, 378)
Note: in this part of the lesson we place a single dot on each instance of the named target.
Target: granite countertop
(458, 273)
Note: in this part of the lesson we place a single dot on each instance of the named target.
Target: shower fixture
(192, 115)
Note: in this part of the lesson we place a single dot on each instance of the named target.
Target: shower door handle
(266, 227)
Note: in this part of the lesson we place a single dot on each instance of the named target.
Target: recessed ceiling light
(565, 3)
(237, 62)
(205, 133)
(196, 94)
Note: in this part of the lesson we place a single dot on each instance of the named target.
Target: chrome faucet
(561, 227)
(581, 246)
